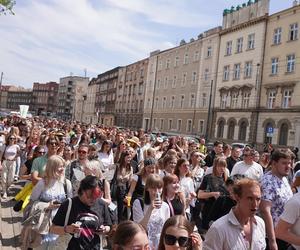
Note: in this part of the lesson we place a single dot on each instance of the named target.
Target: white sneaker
(4, 195)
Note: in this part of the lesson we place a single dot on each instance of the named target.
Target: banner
(23, 110)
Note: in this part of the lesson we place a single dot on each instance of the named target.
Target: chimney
(295, 3)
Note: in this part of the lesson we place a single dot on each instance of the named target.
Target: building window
(239, 45)
(172, 103)
(156, 103)
(206, 74)
(271, 99)
(148, 103)
(236, 71)
(164, 102)
(230, 133)
(286, 98)
(204, 100)
(234, 100)
(293, 34)
(290, 67)
(189, 126)
(161, 124)
(228, 48)
(166, 82)
(168, 64)
(192, 101)
(251, 41)
(246, 99)
(220, 131)
(201, 127)
(274, 68)
(186, 59)
(158, 84)
(174, 82)
(194, 77)
(209, 51)
(277, 36)
(154, 123)
(182, 101)
(176, 63)
(183, 79)
(170, 124)
(223, 100)
(283, 134)
(160, 65)
(196, 56)
(179, 125)
(226, 73)
(242, 131)
(248, 69)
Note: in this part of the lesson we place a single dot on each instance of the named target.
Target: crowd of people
(95, 187)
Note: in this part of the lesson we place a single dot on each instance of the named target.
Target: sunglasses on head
(182, 240)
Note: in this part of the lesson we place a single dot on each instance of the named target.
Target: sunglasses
(182, 240)
(12, 138)
(53, 143)
(42, 152)
(82, 152)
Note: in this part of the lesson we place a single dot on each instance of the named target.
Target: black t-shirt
(177, 205)
(89, 223)
(28, 165)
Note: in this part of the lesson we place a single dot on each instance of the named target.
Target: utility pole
(1, 77)
(208, 127)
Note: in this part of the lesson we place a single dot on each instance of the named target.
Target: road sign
(270, 130)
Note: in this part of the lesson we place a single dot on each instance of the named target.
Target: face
(249, 200)
(283, 166)
(202, 141)
(67, 151)
(154, 191)
(196, 157)
(89, 197)
(107, 148)
(173, 187)
(184, 168)
(218, 149)
(220, 169)
(82, 153)
(12, 140)
(53, 145)
(248, 157)
(236, 152)
(171, 166)
(174, 237)
(150, 169)
(60, 170)
(139, 242)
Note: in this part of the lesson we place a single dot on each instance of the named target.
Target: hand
(196, 241)
(102, 230)
(156, 203)
(216, 195)
(193, 195)
(72, 229)
(53, 205)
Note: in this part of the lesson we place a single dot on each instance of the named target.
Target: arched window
(243, 131)
(230, 133)
(220, 132)
(267, 135)
(283, 134)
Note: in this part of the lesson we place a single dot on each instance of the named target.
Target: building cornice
(245, 25)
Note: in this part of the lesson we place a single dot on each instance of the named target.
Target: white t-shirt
(291, 215)
(156, 221)
(106, 159)
(253, 171)
(11, 151)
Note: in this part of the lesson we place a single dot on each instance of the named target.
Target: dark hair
(149, 161)
(280, 153)
(216, 143)
(106, 142)
(88, 183)
(178, 221)
(125, 233)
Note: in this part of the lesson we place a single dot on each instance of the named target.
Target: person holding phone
(177, 233)
(151, 212)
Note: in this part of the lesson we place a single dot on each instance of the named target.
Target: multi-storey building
(130, 94)
(279, 118)
(179, 85)
(89, 114)
(3, 96)
(105, 100)
(18, 96)
(71, 97)
(239, 72)
(44, 98)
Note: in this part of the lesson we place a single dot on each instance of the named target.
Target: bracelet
(65, 229)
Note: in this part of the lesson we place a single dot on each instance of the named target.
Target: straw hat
(134, 140)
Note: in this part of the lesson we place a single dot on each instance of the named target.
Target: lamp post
(208, 126)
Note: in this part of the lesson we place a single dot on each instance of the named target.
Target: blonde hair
(95, 167)
(53, 163)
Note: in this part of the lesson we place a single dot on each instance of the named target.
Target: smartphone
(158, 196)
(57, 202)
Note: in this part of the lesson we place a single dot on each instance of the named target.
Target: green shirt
(39, 165)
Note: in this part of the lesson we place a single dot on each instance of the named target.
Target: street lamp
(207, 131)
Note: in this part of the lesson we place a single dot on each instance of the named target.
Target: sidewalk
(10, 221)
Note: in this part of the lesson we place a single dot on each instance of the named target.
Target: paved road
(10, 226)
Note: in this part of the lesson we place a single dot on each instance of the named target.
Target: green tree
(6, 6)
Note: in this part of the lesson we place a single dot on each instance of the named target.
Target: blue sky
(48, 39)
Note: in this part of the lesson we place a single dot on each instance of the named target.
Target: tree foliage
(6, 6)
